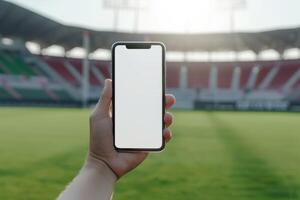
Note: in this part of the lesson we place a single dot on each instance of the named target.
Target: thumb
(103, 104)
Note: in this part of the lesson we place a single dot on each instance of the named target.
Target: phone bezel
(139, 45)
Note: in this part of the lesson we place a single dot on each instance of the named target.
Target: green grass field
(213, 155)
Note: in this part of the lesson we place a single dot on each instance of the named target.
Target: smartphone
(138, 80)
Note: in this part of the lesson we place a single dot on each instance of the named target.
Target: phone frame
(139, 45)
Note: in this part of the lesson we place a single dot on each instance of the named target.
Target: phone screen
(138, 81)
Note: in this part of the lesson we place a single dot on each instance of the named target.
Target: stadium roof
(16, 21)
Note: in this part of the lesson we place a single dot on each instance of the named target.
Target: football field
(212, 156)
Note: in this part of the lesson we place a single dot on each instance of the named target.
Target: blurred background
(233, 65)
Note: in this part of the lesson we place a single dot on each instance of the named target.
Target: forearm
(94, 182)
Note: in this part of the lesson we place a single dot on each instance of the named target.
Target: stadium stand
(77, 64)
(58, 65)
(32, 94)
(198, 75)
(296, 85)
(205, 81)
(104, 67)
(4, 95)
(245, 74)
(43, 79)
(286, 71)
(173, 70)
(225, 74)
(12, 63)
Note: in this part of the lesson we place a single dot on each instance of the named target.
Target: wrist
(101, 168)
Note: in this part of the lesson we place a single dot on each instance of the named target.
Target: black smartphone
(138, 80)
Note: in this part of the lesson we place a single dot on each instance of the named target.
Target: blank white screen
(138, 97)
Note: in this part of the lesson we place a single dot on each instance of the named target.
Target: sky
(171, 15)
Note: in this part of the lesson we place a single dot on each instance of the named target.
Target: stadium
(220, 150)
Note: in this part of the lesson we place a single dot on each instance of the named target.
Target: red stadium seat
(198, 75)
(173, 74)
(103, 66)
(225, 73)
(246, 69)
(287, 69)
(77, 63)
(58, 65)
(265, 68)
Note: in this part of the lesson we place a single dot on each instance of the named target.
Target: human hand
(101, 137)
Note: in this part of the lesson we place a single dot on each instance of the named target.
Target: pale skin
(104, 165)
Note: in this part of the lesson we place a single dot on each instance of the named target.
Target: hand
(101, 136)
